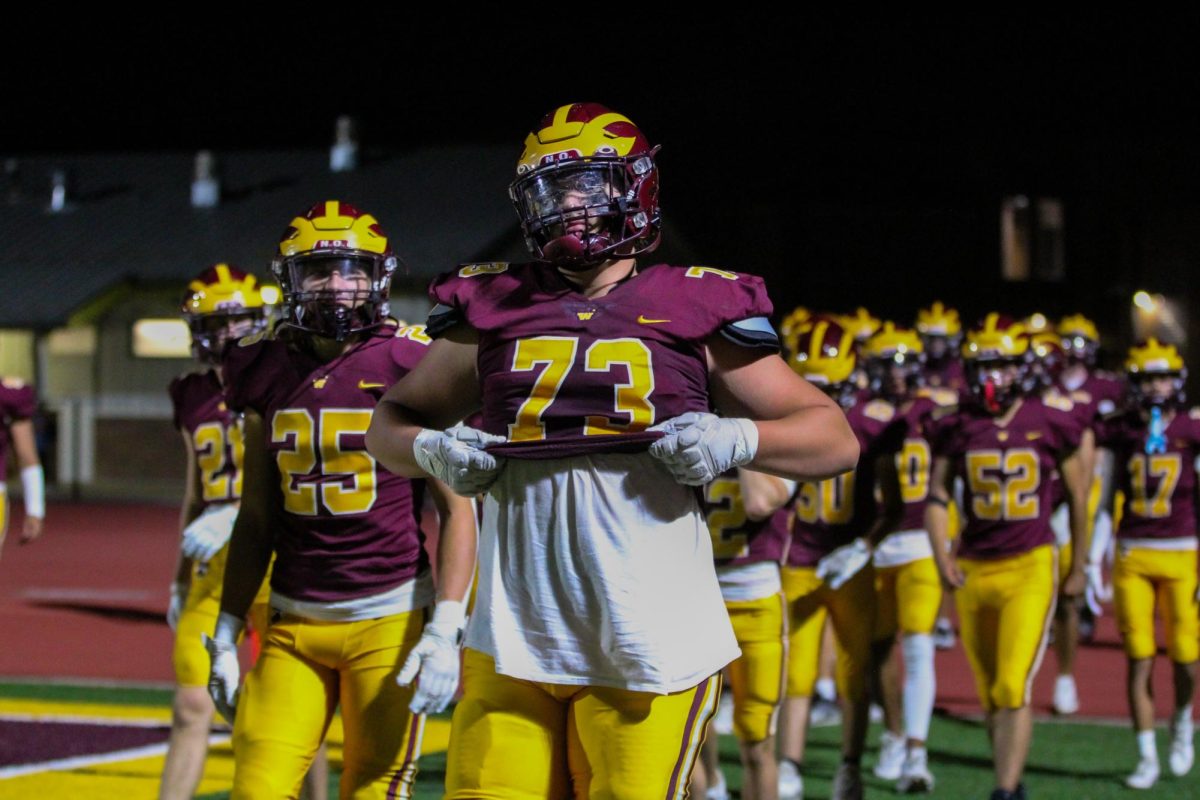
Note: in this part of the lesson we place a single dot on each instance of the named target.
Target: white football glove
(435, 659)
(699, 447)
(204, 537)
(179, 593)
(226, 673)
(844, 563)
(1096, 592)
(456, 458)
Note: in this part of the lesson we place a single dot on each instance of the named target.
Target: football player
(1046, 362)
(350, 583)
(828, 568)
(1005, 446)
(594, 649)
(1105, 392)
(941, 335)
(1156, 442)
(749, 526)
(18, 403)
(221, 305)
(908, 591)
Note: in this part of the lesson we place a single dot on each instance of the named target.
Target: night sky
(873, 150)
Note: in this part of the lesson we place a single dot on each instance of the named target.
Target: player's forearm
(809, 444)
(762, 494)
(247, 563)
(937, 525)
(1077, 479)
(456, 551)
(390, 439)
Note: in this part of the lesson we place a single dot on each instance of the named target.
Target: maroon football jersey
(346, 526)
(17, 402)
(835, 511)
(1083, 405)
(1159, 488)
(1006, 470)
(946, 375)
(566, 374)
(200, 413)
(1104, 391)
(736, 539)
(914, 459)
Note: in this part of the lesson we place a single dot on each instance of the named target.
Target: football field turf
(63, 740)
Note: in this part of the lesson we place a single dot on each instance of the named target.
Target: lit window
(161, 338)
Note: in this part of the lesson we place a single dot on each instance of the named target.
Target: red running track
(87, 601)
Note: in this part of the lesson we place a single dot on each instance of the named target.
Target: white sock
(1146, 747)
(826, 689)
(1183, 716)
(920, 684)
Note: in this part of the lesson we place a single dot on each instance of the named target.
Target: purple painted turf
(36, 742)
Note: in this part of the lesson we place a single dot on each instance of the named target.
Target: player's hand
(456, 457)
(844, 563)
(435, 660)
(950, 573)
(179, 593)
(1075, 583)
(1097, 592)
(31, 529)
(204, 537)
(699, 447)
(224, 677)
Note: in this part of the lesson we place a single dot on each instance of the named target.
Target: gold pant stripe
(703, 707)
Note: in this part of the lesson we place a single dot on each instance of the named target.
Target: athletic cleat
(1066, 697)
(943, 634)
(1087, 624)
(723, 721)
(875, 713)
(791, 785)
(1183, 752)
(847, 783)
(824, 713)
(1145, 776)
(915, 777)
(719, 790)
(891, 756)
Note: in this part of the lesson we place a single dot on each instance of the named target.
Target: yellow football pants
(851, 610)
(513, 739)
(1004, 610)
(1140, 579)
(908, 597)
(756, 678)
(305, 670)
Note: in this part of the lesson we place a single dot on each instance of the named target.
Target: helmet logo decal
(331, 243)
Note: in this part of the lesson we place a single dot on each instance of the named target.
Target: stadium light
(1144, 301)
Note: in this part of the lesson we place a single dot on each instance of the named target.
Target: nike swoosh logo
(365, 385)
(643, 321)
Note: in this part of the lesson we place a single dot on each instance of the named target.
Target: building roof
(131, 218)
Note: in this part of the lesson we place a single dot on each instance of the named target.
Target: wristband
(33, 481)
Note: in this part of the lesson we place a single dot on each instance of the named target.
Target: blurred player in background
(828, 567)
(749, 526)
(351, 582)
(908, 590)
(1046, 361)
(598, 634)
(221, 305)
(1006, 446)
(18, 404)
(1156, 441)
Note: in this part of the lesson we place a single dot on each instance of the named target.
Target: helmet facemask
(1080, 350)
(335, 293)
(997, 382)
(895, 375)
(578, 213)
(212, 334)
(1159, 389)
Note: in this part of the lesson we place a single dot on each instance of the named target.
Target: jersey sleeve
(1066, 426)
(942, 432)
(18, 399)
(175, 391)
(704, 301)
(409, 346)
(249, 373)
(464, 295)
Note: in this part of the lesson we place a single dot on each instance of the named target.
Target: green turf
(1069, 761)
(116, 695)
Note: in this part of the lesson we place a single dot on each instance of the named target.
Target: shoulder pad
(752, 332)
(941, 412)
(475, 270)
(415, 332)
(12, 383)
(879, 410)
(700, 272)
(254, 338)
(1194, 413)
(1080, 396)
(1057, 401)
